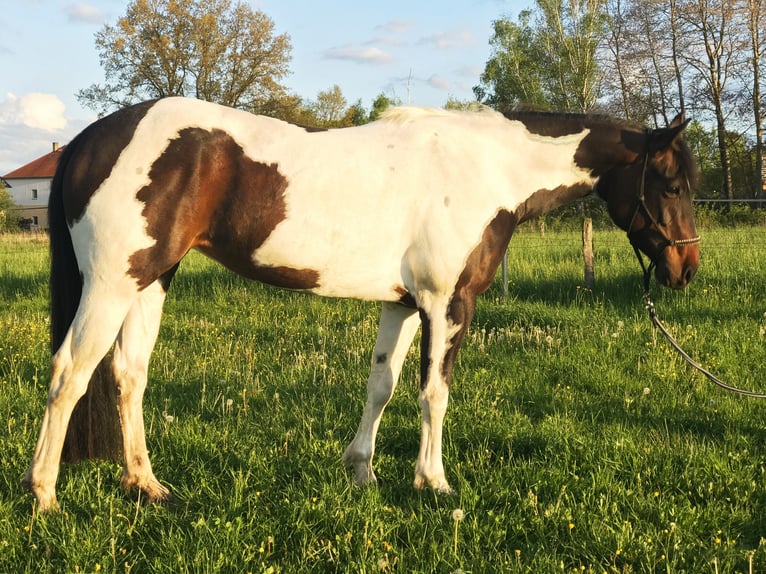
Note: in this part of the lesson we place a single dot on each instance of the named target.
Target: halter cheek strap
(669, 242)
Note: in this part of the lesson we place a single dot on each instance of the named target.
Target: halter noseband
(668, 241)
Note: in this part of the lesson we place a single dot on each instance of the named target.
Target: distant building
(30, 187)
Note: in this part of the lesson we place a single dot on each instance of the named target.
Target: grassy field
(576, 440)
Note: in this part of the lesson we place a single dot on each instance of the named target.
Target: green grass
(576, 440)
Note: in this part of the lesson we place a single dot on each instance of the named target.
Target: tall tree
(330, 107)
(755, 17)
(570, 31)
(208, 49)
(714, 56)
(642, 53)
(380, 104)
(9, 220)
(513, 75)
(547, 58)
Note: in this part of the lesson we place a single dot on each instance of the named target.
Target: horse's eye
(674, 190)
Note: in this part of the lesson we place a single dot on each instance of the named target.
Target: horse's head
(651, 199)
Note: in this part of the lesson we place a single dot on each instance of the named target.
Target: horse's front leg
(444, 326)
(398, 325)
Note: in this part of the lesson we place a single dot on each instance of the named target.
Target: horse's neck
(608, 146)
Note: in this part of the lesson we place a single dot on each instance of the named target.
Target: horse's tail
(94, 429)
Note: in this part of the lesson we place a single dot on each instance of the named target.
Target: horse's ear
(663, 138)
(679, 121)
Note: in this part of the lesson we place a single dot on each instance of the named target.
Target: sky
(408, 50)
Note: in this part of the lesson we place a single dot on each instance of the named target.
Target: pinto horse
(414, 210)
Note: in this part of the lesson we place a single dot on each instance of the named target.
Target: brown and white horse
(414, 210)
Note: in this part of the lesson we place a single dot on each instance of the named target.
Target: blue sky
(406, 49)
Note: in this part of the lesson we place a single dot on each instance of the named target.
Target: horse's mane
(558, 121)
(571, 118)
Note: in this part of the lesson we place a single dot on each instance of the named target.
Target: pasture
(576, 440)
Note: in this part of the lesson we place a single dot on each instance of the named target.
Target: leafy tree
(330, 107)
(208, 49)
(466, 106)
(547, 59)
(513, 75)
(356, 115)
(381, 103)
(8, 220)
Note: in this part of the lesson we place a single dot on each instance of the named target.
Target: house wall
(31, 196)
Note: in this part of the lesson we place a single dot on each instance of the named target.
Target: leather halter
(669, 242)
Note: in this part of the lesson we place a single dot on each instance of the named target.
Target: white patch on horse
(352, 219)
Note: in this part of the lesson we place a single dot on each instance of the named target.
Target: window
(35, 222)
(34, 194)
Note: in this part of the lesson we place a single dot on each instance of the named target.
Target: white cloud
(81, 12)
(470, 71)
(454, 39)
(358, 54)
(440, 83)
(28, 125)
(33, 110)
(396, 26)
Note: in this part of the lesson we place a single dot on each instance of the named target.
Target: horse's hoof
(438, 485)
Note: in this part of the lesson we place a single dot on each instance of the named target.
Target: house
(30, 187)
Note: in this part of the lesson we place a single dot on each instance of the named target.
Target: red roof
(44, 166)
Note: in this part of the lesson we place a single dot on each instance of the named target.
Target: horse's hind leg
(101, 312)
(131, 362)
(444, 326)
(398, 325)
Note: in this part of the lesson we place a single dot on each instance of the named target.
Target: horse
(414, 210)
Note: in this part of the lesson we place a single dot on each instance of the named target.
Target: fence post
(587, 253)
(505, 274)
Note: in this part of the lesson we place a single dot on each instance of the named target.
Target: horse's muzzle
(677, 266)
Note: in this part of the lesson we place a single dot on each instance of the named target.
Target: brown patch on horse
(482, 262)
(543, 200)
(205, 193)
(548, 124)
(476, 277)
(94, 153)
(609, 142)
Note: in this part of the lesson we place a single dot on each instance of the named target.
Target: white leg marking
(398, 325)
(131, 363)
(93, 331)
(433, 398)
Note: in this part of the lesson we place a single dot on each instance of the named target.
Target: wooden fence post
(505, 274)
(587, 253)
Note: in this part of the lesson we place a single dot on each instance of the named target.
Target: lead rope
(649, 305)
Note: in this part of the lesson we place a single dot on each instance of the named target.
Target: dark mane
(687, 164)
(555, 124)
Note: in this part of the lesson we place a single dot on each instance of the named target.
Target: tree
(513, 75)
(380, 104)
(462, 105)
(640, 60)
(330, 107)
(547, 59)
(755, 17)
(356, 115)
(713, 59)
(208, 49)
(8, 219)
